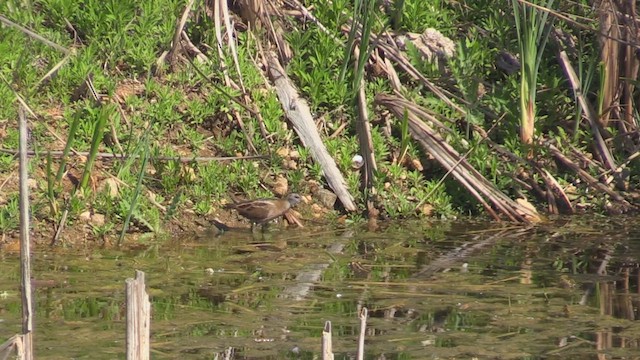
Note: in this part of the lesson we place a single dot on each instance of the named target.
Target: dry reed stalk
(589, 179)
(176, 47)
(482, 189)
(221, 15)
(603, 150)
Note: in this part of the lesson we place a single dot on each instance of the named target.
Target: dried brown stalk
(590, 180)
(590, 114)
(483, 190)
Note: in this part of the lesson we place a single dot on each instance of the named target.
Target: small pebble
(357, 161)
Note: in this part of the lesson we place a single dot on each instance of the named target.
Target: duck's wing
(256, 210)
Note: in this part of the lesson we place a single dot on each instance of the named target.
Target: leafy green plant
(315, 67)
(417, 15)
(9, 218)
(405, 136)
(102, 231)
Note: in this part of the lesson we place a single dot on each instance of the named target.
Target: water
(434, 290)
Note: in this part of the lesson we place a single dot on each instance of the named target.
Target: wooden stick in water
(327, 351)
(364, 314)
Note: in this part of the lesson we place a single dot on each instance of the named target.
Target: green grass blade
(73, 130)
(142, 147)
(96, 140)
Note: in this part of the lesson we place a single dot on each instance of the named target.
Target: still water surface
(434, 290)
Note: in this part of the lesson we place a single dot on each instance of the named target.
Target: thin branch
(102, 155)
(32, 34)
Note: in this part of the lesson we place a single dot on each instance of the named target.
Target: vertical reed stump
(138, 318)
(25, 242)
(364, 314)
(327, 347)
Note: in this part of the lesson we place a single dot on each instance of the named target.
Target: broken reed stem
(364, 314)
(14, 344)
(327, 347)
(299, 114)
(138, 318)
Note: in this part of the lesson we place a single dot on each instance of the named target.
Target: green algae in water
(488, 293)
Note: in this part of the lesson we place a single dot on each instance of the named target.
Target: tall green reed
(141, 150)
(533, 34)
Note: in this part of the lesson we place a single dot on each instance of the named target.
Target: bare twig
(194, 49)
(103, 155)
(54, 70)
(32, 34)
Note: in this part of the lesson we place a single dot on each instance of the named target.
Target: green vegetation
(132, 128)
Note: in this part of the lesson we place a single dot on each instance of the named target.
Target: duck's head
(294, 199)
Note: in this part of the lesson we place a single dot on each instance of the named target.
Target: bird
(261, 211)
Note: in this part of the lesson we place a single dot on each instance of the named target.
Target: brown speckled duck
(262, 211)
